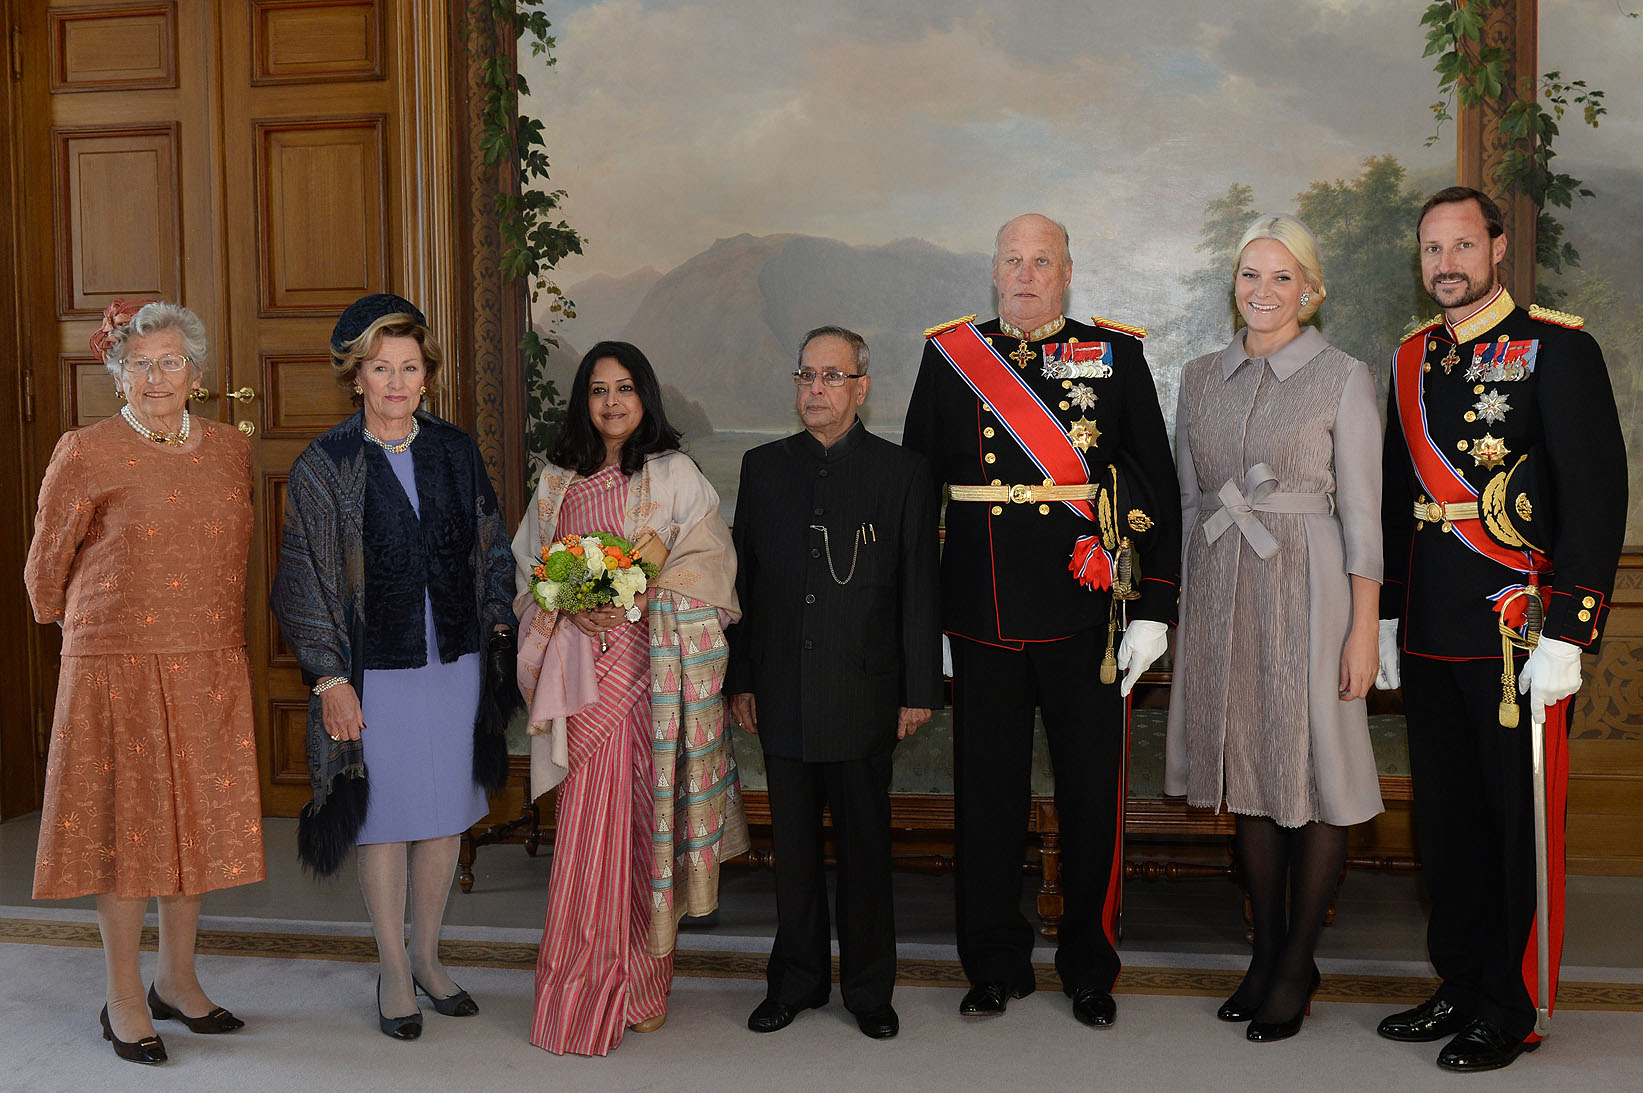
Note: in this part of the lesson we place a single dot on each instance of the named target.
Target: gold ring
(335, 737)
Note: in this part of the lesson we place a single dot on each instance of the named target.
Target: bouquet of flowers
(582, 571)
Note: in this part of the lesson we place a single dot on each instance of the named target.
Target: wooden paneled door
(264, 162)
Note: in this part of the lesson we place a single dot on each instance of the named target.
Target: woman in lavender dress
(394, 591)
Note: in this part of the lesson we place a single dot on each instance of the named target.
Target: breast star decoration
(1492, 407)
(1081, 396)
(1474, 373)
(1489, 451)
(1084, 434)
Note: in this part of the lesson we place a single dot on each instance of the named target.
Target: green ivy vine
(1471, 73)
(534, 235)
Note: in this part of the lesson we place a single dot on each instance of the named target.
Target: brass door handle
(246, 427)
(244, 394)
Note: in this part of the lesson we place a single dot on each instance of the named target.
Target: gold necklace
(397, 446)
(171, 440)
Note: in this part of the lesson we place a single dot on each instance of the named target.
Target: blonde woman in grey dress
(1278, 442)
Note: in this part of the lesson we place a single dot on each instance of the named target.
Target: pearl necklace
(176, 440)
(397, 446)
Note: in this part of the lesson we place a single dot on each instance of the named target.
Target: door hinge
(28, 397)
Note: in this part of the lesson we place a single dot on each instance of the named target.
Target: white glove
(1551, 674)
(1144, 642)
(1387, 676)
(946, 657)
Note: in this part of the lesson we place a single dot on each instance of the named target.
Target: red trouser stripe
(1557, 808)
(1112, 911)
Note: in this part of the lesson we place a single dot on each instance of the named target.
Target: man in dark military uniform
(836, 658)
(1504, 511)
(1024, 418)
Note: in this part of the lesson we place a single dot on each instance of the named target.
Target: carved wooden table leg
(1051, 902)
(465, 862)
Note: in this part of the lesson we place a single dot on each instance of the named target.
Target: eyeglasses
(804, 377)
(141, 365)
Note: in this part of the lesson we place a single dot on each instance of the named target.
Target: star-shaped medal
(1474, 373)
(1081, 396)
(1489, 451)
(1491, 407)
(1083, 434)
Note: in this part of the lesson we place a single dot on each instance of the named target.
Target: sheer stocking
(1263, 858)
(121, 924)
(382, 881)
(175, 980)
(433, 861)
(1317, 855)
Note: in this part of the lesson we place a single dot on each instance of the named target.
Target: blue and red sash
(1437, 476)
(1032, 425)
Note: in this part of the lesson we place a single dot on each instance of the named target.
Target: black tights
(1291, 874)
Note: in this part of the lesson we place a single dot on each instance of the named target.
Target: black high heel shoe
(218, 1020)
(1233, 1010)
(400, 1028)
(1262, 1032)
(149, 1050)
(460, 1004)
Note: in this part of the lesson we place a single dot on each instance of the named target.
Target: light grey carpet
(311, 1026)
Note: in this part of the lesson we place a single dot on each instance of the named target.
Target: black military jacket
(830, 664)
(1004, 574)
(1519, 383)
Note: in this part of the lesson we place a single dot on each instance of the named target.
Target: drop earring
(1306, 297)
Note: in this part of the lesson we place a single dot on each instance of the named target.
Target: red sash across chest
(1437, 476)
(1017, 407)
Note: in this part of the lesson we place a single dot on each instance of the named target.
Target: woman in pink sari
(626, 717)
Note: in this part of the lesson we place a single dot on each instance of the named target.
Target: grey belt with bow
(1234, 506)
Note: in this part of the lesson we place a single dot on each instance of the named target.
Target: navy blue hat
(367, 310)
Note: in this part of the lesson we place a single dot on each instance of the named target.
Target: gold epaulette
(1557, 318)
(1422, 328)
(945, 327)
(1122, 328)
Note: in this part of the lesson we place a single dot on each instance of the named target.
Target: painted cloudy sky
(673, 124)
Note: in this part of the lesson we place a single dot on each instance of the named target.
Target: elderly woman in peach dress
(139, 553)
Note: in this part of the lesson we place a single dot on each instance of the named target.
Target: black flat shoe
(879, 1023)
(1265, 1032)
(989, 999)
(773, 1016)
(148, 1051)
(1433, 1019)
(1482, 1046)
(218, 1020)
(400, 1028)
(1094, 1007)
(460, 1004)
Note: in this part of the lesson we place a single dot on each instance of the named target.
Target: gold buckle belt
(1434, 512)
(1022, 494)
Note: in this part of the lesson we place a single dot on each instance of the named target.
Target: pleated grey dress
(1279, 463)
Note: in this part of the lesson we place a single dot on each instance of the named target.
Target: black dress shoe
(460, 1004)
(1234, 1010)
(400, 1028)
(879, 1023)
(1432, 1020)
(1264, 1032)
(989, 999)
(149, 1050)
(218, 1020)
(773, 1016)
(1094, 1007)
(1482, 1046)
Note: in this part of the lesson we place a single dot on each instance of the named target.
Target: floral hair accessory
(117, 314)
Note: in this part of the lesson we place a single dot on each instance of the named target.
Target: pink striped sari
(593, 976)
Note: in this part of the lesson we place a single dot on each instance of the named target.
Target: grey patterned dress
(1279, 463)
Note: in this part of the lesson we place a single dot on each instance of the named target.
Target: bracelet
(326, 684)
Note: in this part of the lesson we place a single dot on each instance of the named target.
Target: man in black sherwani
(1504, 505)
(836, 658)
(1027, 418)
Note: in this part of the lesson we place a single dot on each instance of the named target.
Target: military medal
(1084, 434)
(1489, 451)
(1450, 360)
(1022, 355)
(1491, 407)
(1023, 352)
(1081, 396)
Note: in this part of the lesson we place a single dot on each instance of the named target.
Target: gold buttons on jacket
(1427, 367)
(1462, 446)
(996, 482)
(998, 510)
(987, 432)
(1588, 602)
(991, 458)
(1478, 390)
(1066, 405)
(986, 409)
(1584, 615)
(1067, 384)
(1043, 510)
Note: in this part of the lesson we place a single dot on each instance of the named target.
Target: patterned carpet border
(519, 956)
